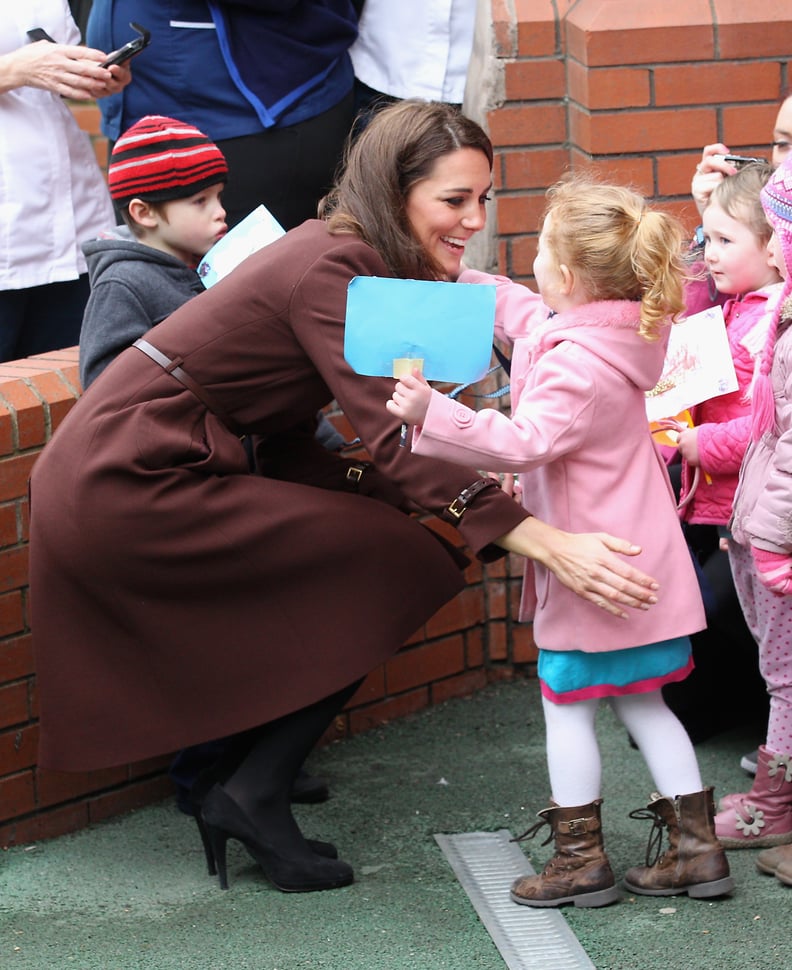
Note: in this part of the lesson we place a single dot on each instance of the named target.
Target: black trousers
(41, 318)
(286, 169)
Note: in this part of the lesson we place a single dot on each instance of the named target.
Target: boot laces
(531, 832)
(655, 843)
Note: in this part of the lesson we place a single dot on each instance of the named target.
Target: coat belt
(175, 369)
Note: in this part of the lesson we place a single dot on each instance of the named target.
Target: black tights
(269, 760)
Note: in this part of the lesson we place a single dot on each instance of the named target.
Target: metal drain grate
(486, 863)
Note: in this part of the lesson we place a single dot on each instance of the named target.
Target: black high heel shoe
(222, 819)
(197, 795)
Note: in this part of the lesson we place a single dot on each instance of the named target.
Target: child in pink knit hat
(761, 560)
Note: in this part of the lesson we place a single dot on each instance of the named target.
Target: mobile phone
(38, 33)
(128, 51)
(739, 160)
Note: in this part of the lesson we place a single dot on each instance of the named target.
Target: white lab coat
(53, 195)
(415, 48)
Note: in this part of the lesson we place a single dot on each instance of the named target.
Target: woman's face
(782, 133)
(447, 207)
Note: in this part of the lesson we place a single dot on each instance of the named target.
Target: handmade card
(257, 229)
(445, 329)
(698, 366)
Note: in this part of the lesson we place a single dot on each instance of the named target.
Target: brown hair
(133, 225)
(620, 247)
(738, 196)
(398, 148)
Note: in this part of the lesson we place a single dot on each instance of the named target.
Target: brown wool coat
(176, 597)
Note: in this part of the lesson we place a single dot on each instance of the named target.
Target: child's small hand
(410, 400)
(508, 482)
(774, 569)
(688, 445)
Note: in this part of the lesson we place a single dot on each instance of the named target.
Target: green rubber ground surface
(133, 892)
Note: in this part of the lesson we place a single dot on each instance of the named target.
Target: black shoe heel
(211, 868)
(224, 819)
(218, 840)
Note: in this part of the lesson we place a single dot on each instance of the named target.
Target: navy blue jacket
(230, 69)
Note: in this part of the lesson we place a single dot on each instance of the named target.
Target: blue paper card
(444, 328)
(259, 228)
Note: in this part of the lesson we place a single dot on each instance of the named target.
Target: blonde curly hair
(620, 247)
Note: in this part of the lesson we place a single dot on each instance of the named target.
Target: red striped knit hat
(159, 159)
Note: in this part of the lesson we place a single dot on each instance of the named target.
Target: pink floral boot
(761, 817)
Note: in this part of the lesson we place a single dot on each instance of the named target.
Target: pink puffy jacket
(763, 503)
(724, 422)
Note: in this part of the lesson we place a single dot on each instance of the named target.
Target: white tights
(573, 755)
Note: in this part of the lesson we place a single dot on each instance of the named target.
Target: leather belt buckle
(459, 506)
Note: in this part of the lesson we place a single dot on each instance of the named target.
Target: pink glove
(775, 570)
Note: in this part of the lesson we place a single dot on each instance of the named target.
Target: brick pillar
(633, 89)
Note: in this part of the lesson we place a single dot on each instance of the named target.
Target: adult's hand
(70, 71)
(586, 563)
(709, 173)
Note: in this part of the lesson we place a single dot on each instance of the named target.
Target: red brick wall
(634, 88)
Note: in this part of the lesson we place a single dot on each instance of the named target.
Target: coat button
(462, 416)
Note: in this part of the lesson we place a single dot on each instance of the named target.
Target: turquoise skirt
(567, 676)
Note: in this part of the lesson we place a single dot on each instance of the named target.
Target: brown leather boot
(579, 872)
(769, 860)
(694, 863)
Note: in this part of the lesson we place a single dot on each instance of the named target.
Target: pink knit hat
(776, 198)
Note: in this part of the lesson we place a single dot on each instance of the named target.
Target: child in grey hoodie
(167, 178)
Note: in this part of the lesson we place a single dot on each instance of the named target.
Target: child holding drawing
(725, 689)
(736, 235)
(609, 273)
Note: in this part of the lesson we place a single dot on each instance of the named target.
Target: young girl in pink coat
(725, 689)
(609, 273)
(736, 235)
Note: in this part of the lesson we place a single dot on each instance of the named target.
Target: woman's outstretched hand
(586, 563)
(410, 400)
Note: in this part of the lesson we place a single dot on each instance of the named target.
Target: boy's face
(736, 258)
(188, 228)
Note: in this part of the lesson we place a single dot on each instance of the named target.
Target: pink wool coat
(580, 440)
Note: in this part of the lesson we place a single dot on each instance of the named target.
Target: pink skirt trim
(615, 690)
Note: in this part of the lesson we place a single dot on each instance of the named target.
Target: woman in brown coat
(177, 598)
